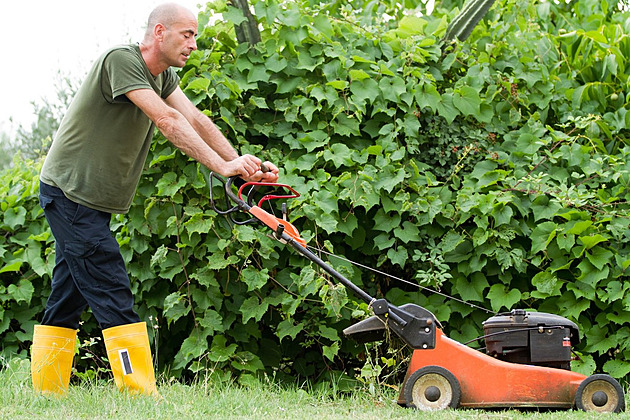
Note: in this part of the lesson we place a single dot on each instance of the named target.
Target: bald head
(166, 14)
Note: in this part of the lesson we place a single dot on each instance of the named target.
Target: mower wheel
(600, 393)
(432, 388)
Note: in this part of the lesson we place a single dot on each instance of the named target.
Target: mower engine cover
(535, 338)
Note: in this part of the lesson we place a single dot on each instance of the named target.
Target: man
(92, 171)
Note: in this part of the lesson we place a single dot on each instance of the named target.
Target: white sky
(40, 38)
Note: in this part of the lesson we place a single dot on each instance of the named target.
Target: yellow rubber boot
(129, 355)
(51, 359)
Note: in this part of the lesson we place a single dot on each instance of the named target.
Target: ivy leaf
(313, 140)
(599, 256)
(15, 217)
(545, 209)
(617, 368)
(199, 223)
(169, 184)
(502, 214)
(545, 282)
(385, 222)
(364, 90)
(339, 154)
(198, 85)
(348, 224)
(287, 328)
(358, 75)
(322, 23)
(446, 108)
(346, 125)
(258, 102)
(392, 88)
(428, 96)
(219, 352)
(234, 15)
(565, 241)
(398, 256)
(600, 340)
(175, 307)
(577, 228)
(254, 278)
(258, 73)
(217, 262)
(245, 360)
(308, 62)
(329, 333)
(500, 296)
(384, 241)
(5, 321)
(23, 292)
(276, 63)
(411, 25)
(192, 347)
(467, 100)
(159, 256)
(615, 290)
(542, 236)
(585, 365)
(211, 321)
(389, 178)
(12, 267)
(407, 233)
(471, 290)
(592, 240)
(528, 143)
(326, 201)
(590, 274)
(450, 241)
(252, 308)
(331, 351)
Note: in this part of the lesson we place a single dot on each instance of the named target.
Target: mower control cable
(472, 305)
(251, 207)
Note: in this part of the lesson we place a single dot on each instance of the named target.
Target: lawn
(210, 400)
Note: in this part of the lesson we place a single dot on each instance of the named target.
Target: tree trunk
(246, 31)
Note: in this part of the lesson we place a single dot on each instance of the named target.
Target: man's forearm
(213, 137)
(179, 132)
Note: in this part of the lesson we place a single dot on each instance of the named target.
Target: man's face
(179, 41)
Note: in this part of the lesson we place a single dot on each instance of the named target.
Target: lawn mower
(526, 362)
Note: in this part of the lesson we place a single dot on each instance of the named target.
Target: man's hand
(250, 168)
(269, 172)
(245, 166)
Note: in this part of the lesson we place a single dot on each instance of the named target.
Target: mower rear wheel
(432, 388)
(600, 393)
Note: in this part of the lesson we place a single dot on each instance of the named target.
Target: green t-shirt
(98, 153)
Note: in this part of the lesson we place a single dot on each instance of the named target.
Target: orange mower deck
(488, 382)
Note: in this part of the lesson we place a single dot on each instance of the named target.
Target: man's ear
(158, 31)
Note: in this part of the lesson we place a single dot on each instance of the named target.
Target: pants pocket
(92, 265)
(81, 249)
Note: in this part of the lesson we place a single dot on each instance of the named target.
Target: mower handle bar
(379, 305)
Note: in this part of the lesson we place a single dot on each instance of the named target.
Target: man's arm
(201, 124)
(179, 131)
(209, 132)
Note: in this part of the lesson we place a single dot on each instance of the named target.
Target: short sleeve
(122, 73)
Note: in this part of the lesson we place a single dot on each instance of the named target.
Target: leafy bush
(494, 171)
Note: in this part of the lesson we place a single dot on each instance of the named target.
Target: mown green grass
(211, 400)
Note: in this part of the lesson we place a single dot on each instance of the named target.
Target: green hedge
(494, 171)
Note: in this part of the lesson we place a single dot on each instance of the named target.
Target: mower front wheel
(600, 393)
(432, 388)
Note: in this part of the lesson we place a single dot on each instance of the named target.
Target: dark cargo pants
(89, 269)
